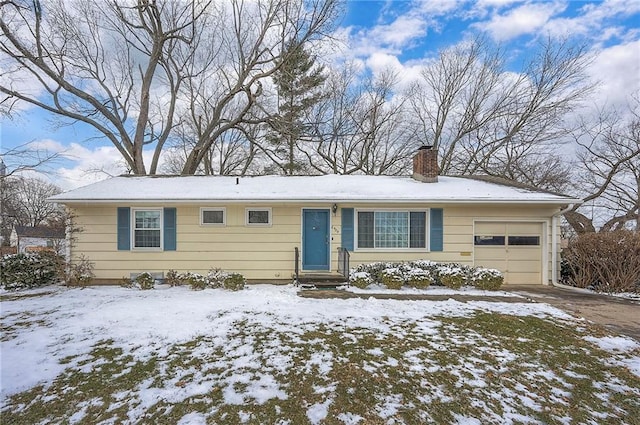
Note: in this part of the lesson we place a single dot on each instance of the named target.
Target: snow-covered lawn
(265, 355)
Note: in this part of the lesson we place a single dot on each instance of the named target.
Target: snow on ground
(44, 335)
(164, 316)
(378, 288)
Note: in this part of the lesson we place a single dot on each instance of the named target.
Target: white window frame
(246, 216)
(224, 216)
(133, 229)
(427, 225)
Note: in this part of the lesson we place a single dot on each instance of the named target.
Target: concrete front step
(321, 280)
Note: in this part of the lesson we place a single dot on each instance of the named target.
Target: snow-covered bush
(423, 273)
(392, 278)
(196, 281)
(489, 279)
(453, 275)
(215, 278)
(360, 279)
(24, 271)
(234, 282)
(173, 278)
(144, 281)
(418, 278)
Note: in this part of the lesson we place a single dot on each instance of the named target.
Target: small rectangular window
(524, 240)
(489, 240)
(213, 216)
(258, 216)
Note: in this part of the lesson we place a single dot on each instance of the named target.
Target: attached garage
(515, 248)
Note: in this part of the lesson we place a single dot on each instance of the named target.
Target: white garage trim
(544, 240)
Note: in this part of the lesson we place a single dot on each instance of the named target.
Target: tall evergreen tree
(298, 82)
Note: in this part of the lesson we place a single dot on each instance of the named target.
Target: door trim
(302, 211)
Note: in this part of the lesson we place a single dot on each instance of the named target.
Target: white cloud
(521, 20)
(595, 21)
(617, 69)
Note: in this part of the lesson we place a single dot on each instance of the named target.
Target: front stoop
(321, 280)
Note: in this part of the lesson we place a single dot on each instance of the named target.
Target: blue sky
(402, 34)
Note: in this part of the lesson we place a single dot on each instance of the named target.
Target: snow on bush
(360, 279)
(453, 275)
(24, 271)
(392, 278)
(422, 274)
(419, 278)
(488, 279)
(234, 282)
(215, 278)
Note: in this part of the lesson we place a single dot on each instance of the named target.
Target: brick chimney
(425, 165)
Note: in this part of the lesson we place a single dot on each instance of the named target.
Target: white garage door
(513, 248)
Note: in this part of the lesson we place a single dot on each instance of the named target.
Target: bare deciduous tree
(609, 172)
(26, 157)
(106, 64)
(362, 126)
(483, 119)
(227, 74)
(133, 71)
(23, 202)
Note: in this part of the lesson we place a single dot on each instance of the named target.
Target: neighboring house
(252, 225)
(38, 238)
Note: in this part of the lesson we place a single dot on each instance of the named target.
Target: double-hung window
(392, 229)
(147, 229)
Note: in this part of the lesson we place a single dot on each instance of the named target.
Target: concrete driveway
(617, 314)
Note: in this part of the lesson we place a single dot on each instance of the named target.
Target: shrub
(173, 278)
(392, 278)
(126, 282)
(606, 261)
(452, 275)
(489, 279)
(360, 279)
(144, 281)
(81, 272)
(419, 278)
(234, 282)
(216, 277)
(24, 271)
(196, 281)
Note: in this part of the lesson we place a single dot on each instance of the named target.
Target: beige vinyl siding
(259, 252)
(267, 252)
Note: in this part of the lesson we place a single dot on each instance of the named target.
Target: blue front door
(315, 239)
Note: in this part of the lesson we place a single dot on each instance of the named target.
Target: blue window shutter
(347, 228)
(436, 229)
(169, 229)
(124, 228)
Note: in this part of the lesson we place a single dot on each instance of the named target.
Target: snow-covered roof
(327, 188)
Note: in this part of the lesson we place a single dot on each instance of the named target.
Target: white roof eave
(555, 201)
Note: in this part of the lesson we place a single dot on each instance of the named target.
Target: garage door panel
(524, 254)
(522, 263)
(524, 266)
(524, 278)
(489, 253)
(490, 229)
(492, 264)
(528, 229)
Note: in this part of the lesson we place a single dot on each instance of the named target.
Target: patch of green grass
(485, 366)
(20, 296)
